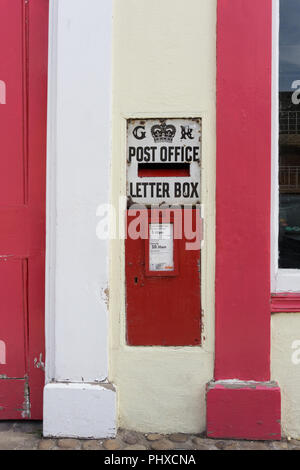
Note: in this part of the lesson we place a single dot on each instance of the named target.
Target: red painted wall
(243, 189)
(250, 406)
(251, 413)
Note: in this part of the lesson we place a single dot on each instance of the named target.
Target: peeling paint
(26, 404)
(105, 296)
(38, 363)
(108, 386)
(238, 384)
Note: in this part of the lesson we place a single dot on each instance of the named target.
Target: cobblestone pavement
(28, 436)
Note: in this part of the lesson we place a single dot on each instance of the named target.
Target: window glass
(289, 135)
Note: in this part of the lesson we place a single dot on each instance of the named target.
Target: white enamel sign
(164, 161)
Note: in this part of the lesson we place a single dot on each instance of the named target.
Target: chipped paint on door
(23, 96)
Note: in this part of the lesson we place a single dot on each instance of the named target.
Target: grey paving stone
(6, 426)
(136, 447)
(163, 444)
(29, 444)
(254, 445)
(294, 444)
(222, 444)
(281, 445)
(47, 444)
(113, 444)
(92, 445)
(28, 427)
(204, 444)
(25, 436)
(178, 437)
(130, 438)
(154, 437)
(17, 441)
(72, 444)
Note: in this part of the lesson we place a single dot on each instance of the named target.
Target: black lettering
(131, 190)
(171, 153)
(147, 154)
(163, 154)
(153, 153)
(152, 186)
(158, 189)
(194, 192)
(139, 154)
(166, 190)
(131, 153)
(177, 153)
(138, 190)
(138, 134)
(145, 189)
(177, 189)
(183, 154)
(188, 158)
(186, 190)
(196, 157)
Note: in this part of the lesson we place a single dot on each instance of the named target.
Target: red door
(23, 95)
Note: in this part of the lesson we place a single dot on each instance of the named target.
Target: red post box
(164, 233)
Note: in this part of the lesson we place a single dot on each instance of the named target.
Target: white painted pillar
(78, 401)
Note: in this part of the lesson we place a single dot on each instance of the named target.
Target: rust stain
(106, 296)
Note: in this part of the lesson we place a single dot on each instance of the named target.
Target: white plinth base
(83, 411)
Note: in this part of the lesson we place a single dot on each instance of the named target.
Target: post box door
(163, 295)
(23, 78)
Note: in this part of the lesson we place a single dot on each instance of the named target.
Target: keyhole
(136, 280)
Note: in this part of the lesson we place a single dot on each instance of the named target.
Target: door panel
(23, 69)
(163, 308)
(12, 310)
(12, 28)
(14, 400)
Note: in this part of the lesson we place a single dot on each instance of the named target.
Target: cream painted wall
(285, 364)
(164, 65)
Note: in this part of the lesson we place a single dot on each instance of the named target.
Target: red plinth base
(243, 410)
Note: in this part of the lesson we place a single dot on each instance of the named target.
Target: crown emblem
(163, 133)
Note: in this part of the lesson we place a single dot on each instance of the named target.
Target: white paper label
(161, 247)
